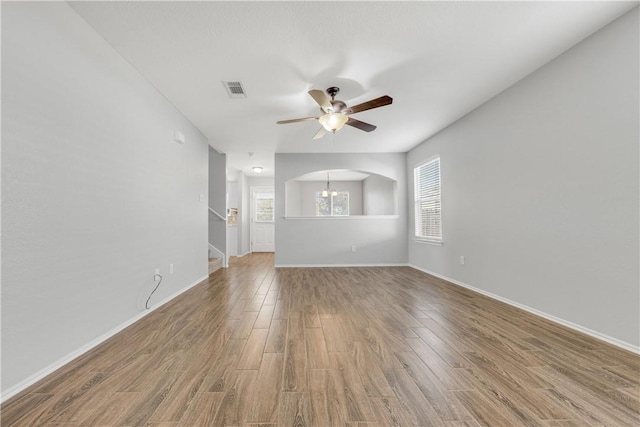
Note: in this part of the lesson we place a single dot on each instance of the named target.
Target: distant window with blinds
(428, 207)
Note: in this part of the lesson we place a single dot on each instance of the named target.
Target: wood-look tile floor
(387, 346)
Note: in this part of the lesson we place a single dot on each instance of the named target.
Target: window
(332, 205)
(264, 207)
(428, 224)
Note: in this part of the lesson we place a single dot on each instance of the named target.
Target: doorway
(262, 228)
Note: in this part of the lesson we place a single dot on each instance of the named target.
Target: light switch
(179, 137)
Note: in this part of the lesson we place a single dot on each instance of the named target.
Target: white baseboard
(12, 391)
(339, 265)
(595, 334)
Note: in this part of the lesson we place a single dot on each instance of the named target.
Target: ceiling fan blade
(374, 103)
(360, 125)
(321, 99)
(319, 134)
(303, 119)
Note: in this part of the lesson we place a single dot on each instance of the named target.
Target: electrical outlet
(462, 260)
(353, 248)
(156, 275)
(170, 268)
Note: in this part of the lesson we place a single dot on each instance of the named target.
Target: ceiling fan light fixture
(333, 121)
(335, 113)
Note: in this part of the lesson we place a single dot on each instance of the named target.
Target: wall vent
(235, 89)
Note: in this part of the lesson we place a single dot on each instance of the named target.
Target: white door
(262, 227)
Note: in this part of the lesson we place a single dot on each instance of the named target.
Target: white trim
(425, 241)
(244, 254)
(217, 214)
(340, 265)
(424, 162)
(22, 385)
(315, 218)
(225, 264)
(594, 334)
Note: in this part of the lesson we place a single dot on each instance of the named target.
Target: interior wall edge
(573, 326)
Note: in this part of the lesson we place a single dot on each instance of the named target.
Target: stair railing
(217, 214)
(223, 256)
(219, 252)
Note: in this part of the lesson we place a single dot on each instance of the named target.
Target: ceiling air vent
(235, 89)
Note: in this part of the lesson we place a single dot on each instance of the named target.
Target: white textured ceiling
(437, 60)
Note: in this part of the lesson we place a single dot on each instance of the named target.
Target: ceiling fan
(336, 113)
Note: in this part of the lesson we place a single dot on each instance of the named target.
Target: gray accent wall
(96, 194)
(540, 189)
(328, 241)
(217, 181)
(218, 200)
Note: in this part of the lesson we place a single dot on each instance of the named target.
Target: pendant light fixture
(328, 190)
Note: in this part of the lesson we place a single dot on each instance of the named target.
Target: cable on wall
(146, 304)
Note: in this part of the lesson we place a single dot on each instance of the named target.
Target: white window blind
(427, 200)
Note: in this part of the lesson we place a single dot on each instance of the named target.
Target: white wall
(328, 240)
(379, 196)
(232, 194)
(244, 235)
(293, 198)
(232, 230)
(260, 181)
(95, 192)
(540, 189)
